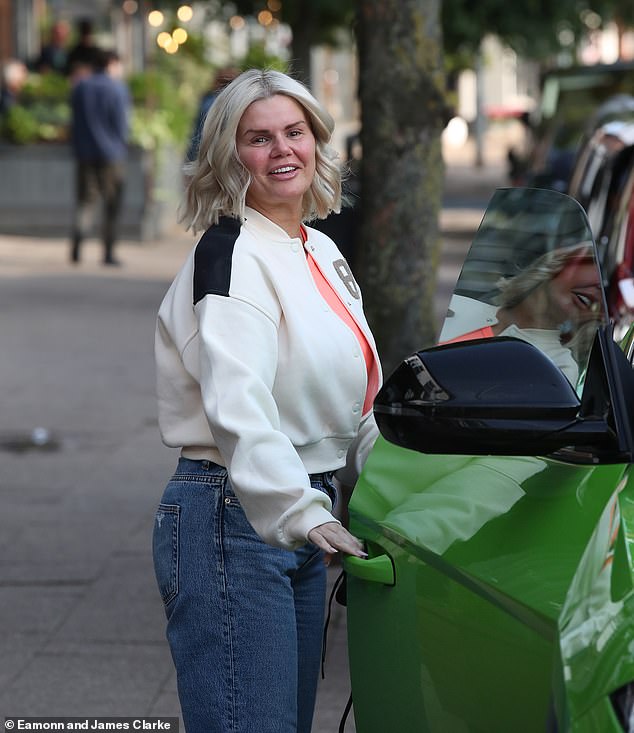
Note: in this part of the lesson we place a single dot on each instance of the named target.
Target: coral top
(334, 301)
(479, 333)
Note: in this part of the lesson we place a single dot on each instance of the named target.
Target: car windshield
(531, 273)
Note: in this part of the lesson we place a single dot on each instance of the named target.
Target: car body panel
(499, 552)
(595, 625)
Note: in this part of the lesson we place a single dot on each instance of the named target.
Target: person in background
(100, 106)
(54, 54)
(85, 52)
(266, 375)
(14, 74)
(222, 77)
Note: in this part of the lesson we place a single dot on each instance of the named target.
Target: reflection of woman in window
(554, 304)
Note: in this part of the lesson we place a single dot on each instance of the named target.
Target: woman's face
(276, 144)
(575, 293)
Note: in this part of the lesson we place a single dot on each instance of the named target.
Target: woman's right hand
(333, 537)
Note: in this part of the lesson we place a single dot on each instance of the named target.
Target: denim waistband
(192, 465)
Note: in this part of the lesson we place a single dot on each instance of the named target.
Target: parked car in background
(603, 182)
(497, 506)
(569, 97)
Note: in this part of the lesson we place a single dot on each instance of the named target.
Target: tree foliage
(312, 22)
(535, 29)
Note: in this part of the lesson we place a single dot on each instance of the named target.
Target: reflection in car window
(531, 273)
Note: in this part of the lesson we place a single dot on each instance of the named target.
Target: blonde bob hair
(219, 181)
(513, 290)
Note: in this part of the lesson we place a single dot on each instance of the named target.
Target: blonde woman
(266, 373)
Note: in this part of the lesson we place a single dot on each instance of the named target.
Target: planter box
(37, 185)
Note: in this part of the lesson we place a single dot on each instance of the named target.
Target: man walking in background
(100, 105)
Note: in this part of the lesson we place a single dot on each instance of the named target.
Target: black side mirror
(488, 396)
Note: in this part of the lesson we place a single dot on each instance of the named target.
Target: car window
(573, 94)
(570, 98)
(531, 273)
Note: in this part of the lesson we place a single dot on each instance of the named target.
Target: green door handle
(376, 569)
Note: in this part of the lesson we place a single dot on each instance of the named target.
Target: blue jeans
(245, 619)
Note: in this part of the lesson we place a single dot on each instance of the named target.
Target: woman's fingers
(333, 537)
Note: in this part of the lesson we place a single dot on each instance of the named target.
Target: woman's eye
(585, 301)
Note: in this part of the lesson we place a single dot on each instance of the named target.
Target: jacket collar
(259, 224)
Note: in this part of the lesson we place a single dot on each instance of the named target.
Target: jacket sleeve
(238, 360)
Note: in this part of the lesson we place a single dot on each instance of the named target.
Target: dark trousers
(96, 181)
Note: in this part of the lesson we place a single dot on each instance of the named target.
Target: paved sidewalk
(83, 627)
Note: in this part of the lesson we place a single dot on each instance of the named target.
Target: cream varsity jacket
(256, 372)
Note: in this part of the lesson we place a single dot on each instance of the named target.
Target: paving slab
(89, 680)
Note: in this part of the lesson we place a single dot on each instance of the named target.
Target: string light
(179, 35)
(155, 18)
(237, 22)
(265, 17)
(185, 13)
(163, 39)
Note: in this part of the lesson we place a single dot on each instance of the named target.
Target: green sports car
(497, 506)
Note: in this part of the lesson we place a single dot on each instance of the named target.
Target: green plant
(20, 126)
(42, 113)
(165, 99)
(151, 128)
(50, 88)
(162, 109)
(257, 57)
(161, 113)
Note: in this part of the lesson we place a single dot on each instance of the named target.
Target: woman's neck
(289, 219)
(527, 314)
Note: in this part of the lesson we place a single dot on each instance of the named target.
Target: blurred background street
(82, 468)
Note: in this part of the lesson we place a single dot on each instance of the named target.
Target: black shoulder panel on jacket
(212, 259)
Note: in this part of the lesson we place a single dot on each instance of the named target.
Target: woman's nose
(281, 146)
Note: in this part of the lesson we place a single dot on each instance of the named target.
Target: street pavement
(82, 469)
